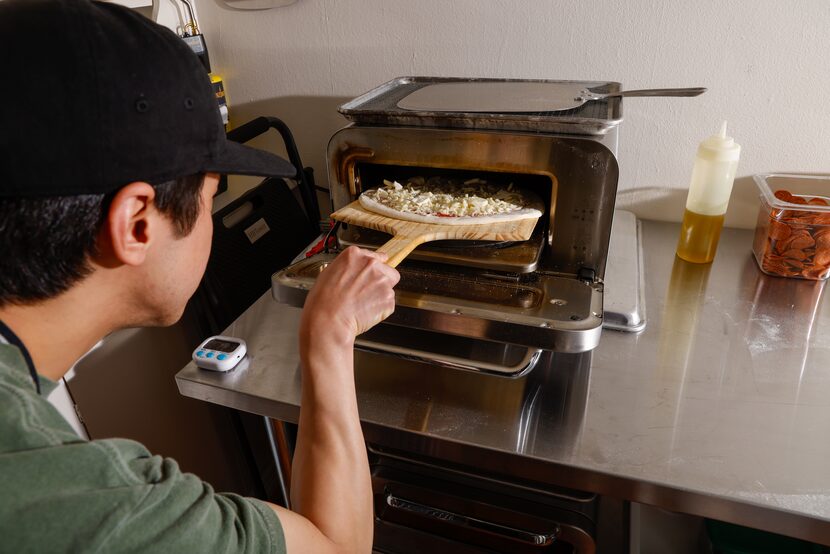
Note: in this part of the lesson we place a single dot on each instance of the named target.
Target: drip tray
(515, 257)
(483, 356)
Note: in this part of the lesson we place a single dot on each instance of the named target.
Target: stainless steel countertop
(720, 408)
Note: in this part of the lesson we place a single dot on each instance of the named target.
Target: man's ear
(129, 225)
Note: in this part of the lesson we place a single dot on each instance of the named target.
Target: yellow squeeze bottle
(712, 178)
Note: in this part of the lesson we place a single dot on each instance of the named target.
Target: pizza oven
(485, 306)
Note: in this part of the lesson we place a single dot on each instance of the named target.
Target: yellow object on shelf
(221, 98)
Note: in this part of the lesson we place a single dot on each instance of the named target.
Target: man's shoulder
(32, 429)
(59, 490)
(114, 495)
(13, 369)
(27, 419)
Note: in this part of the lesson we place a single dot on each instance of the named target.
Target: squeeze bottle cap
(719, 147)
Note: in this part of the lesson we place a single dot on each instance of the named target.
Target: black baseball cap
(96, 96)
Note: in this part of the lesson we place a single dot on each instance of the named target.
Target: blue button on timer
(200, 353)
(221, 356)
(210, 354)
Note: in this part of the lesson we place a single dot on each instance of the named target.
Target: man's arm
(330, 486)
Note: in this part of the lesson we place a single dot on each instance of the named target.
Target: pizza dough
(451, 202)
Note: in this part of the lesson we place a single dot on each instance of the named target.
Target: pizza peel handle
(408, 235)
(399, 246)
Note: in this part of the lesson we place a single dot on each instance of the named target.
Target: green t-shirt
(60, 493)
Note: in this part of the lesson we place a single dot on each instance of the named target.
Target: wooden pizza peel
(407, 235)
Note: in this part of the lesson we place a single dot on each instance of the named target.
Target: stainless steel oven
(485, 306)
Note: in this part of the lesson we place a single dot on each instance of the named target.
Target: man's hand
(351, 296)
(330, 483)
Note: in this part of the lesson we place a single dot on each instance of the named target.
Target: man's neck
(58, 331)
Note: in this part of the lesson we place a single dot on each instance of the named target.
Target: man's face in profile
(175, 264)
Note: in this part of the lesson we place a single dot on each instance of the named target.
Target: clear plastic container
(792, 237)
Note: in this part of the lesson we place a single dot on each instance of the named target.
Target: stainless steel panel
(624, 298)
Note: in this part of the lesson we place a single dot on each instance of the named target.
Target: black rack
(304, 176)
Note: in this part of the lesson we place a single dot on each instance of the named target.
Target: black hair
(46, 242)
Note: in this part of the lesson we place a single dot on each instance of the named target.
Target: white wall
(766, 65)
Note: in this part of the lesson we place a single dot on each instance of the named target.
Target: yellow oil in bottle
(699, 237)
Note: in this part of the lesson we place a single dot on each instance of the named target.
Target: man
(110, 151)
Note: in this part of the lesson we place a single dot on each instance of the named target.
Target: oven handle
(536, 539)
(527, 363)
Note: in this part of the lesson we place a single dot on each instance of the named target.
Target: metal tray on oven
(538, 310)
(379, 106)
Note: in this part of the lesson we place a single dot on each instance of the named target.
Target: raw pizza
(451, 202)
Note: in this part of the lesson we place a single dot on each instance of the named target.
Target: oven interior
(516, 257)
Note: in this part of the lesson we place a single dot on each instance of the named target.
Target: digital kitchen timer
(220, 353)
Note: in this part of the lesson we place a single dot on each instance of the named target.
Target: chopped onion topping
(447, 197)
